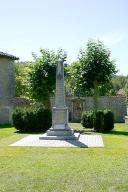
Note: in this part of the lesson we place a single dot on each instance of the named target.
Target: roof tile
(8, 56)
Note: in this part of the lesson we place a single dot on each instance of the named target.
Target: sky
(28, 25)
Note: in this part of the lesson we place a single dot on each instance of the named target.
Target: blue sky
(28, 25)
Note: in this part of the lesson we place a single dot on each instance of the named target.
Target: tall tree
(96, 67)
(43, 75)
(73, 84)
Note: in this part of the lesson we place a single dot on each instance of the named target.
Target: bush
(18, 119)
(87, 119)
(32, 119)
(103, 120)
(108, 120)
(98, 120)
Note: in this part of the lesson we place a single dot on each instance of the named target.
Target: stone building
(7, 86)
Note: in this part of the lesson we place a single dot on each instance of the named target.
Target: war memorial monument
(60, 128)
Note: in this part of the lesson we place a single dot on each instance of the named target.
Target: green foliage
(96, 64)
(18, 117)
(43, 75)
(108, 120)
(72, 77)
(120, 83)
(22, 85)
(106, 89)
(96, 67)
(103, 120)
(33, 119)
(98, 120)
(87, 119)
(73, 83)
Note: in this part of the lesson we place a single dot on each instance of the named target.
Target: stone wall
(7, 81)
(7, 89)
(77, 105)
(20, 102)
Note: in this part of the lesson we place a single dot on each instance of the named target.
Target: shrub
(32, 119)
(103, 120)
(108, 120)
(98, 120)
(87, 119)
(18, 118)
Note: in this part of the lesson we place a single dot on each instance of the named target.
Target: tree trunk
(95, 95)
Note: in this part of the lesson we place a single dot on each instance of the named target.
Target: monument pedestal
(60, 129)
(60, 118)
(75, 136)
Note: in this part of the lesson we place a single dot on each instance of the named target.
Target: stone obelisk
(60, 129)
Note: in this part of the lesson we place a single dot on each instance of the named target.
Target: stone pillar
(60, 111)
(60, 92)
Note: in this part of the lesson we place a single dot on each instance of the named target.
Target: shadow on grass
(6, 126)
(85, 131)
(92, 131)
(125, 133)
(77, 143)
(29, 132)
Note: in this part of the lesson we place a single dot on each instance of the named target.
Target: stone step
(60, 132)
(75, 136)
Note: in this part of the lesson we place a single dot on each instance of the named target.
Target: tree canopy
(43, 75)
(97, 68)
(22, 84)
(92, 75)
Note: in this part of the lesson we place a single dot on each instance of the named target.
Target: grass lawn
(36, 169)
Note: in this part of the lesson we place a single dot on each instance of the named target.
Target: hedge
(32, 119)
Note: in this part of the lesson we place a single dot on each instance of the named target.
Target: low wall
(77, 105)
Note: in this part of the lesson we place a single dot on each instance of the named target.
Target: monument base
(57, 132)
(75, 136)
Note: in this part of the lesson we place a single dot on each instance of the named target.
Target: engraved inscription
(60, 117)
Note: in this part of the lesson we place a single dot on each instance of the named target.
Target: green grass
(36, 169)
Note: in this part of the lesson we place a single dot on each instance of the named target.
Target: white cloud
(112, 38)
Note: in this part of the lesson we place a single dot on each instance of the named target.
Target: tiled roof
(8, 56)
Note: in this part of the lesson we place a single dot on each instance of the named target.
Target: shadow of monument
(84, 131)
(125, 133)
(77, 143)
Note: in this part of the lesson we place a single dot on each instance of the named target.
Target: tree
(43, 75)
(96, 67)
(120, 82)
(106, 89)
(72, 81)
(22, 88)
